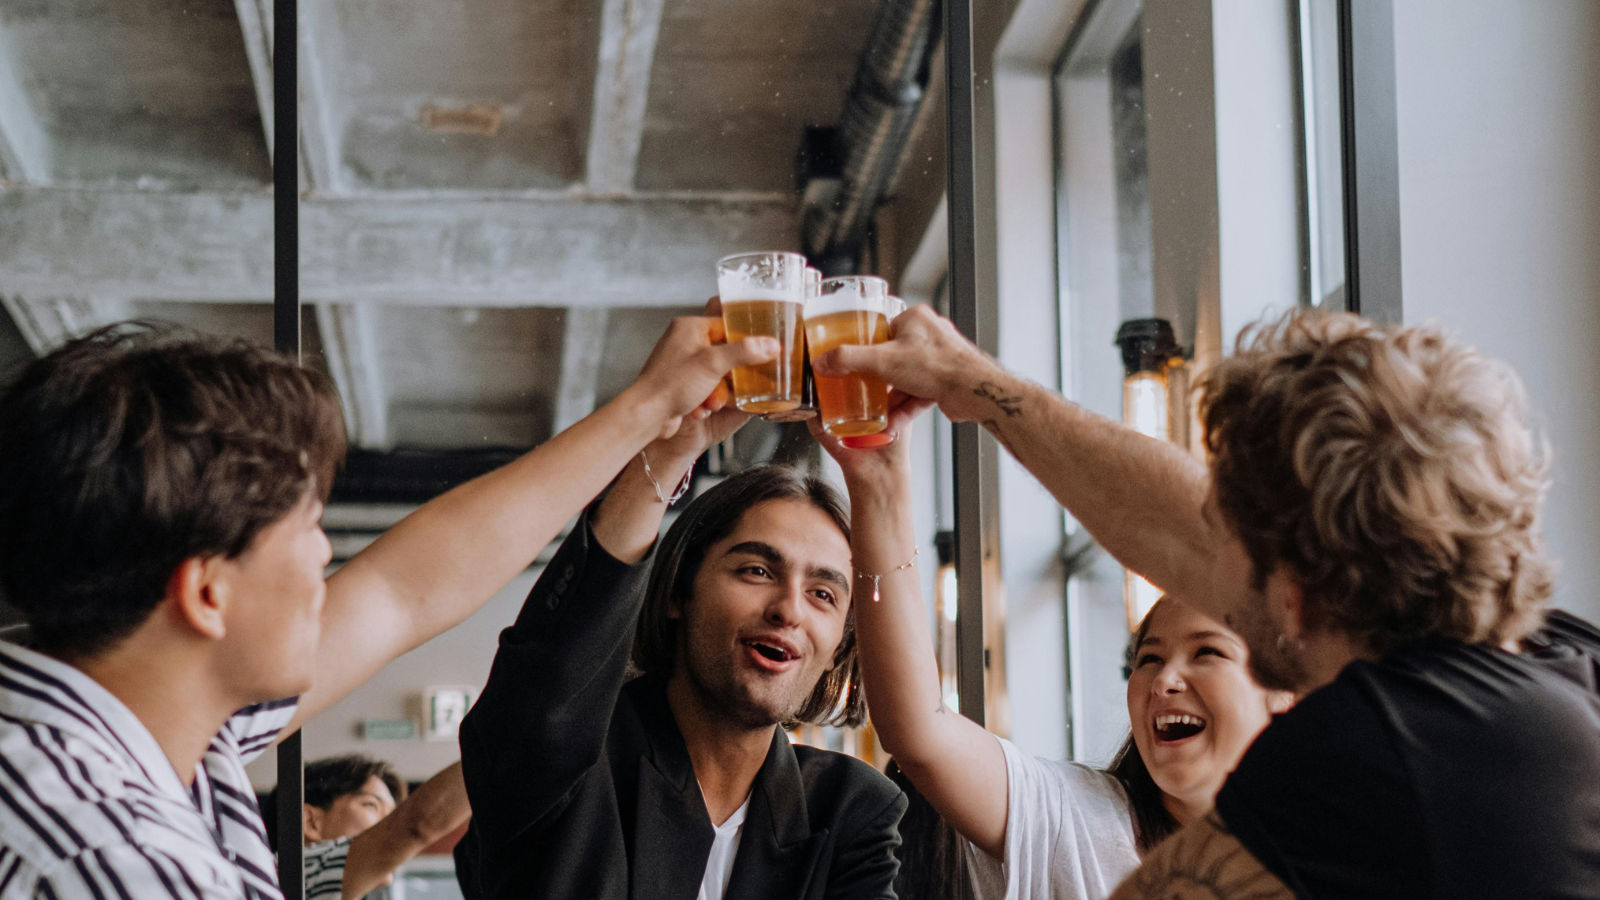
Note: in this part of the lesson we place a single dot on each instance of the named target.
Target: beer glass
(763, 295)
(853, 309)
(808, 385)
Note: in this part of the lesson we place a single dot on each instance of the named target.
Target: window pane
(1319, 55)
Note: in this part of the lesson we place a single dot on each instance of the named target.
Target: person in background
(1368, 522)
(681, 782)
(1041, 828)
(160, 503)
(360, 825)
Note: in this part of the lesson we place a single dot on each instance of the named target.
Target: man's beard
(1275, 662)
(751, 702)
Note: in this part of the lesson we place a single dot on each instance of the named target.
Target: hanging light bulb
(1153, 404)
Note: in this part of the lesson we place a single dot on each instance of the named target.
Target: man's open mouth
(771, 651)
(1177, 726)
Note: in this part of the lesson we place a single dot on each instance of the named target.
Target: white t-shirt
(724, 847)
(1069, 833)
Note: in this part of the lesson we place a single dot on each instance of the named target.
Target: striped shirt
(324, 871)
(91, 807)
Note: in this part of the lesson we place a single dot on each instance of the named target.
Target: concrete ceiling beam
(554, 251)
(52, 321)
(628, 33)
(319, 149)
(350, 345)
(255, 24)
(24, 146)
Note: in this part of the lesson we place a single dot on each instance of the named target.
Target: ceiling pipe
(890, 82)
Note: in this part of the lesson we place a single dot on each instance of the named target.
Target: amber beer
(808, 384)
(769, 387)
(854, 309)
(763, 295)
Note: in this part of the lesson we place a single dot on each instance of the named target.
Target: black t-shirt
(1444, 770)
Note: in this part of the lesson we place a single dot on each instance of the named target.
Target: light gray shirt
(1069, 833)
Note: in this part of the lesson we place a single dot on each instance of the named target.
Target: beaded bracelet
(876, 577)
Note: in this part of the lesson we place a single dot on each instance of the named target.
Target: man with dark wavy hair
(1368, 521)
(681, 782)
(360, 824)
(160, 504)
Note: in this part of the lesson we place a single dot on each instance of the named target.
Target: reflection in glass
(499, 213)
(1131, 158)
(1324, 173)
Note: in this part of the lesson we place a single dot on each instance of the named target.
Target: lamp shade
(1150, 355)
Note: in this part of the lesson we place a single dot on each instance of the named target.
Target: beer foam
(742, 291)
(845, 299)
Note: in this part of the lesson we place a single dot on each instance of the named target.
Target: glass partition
(498, 208)
(501, 211)
(135, 178)
(1198, 180)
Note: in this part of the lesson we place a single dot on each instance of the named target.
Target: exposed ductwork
(890, 82)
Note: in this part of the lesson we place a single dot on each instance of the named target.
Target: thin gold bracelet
(876, 577)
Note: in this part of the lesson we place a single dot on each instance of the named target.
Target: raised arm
(445, 560)
(1139, 497)
(627, 521)
(957, 765)
(432, 811)
(560, 665)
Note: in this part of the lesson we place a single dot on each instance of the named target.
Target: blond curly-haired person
(1368, 521)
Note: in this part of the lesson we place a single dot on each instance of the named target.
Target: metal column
(972, 308)
(1371, 161)
(286, 337)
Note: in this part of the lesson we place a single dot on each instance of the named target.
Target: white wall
(1093, 379)
(1257, 209)
(1029, 343)
(460, 656)
(1499, 132)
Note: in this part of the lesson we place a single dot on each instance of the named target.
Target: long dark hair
(837, 699)
(1152, 823)
(932, 854)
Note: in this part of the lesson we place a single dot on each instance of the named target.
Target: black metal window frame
(1371, 202)
(971, 33)
(1368, 159)
(286, 337)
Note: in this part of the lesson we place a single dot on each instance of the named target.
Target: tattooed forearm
(1010, 405)
(1204, 861)
(993, 427)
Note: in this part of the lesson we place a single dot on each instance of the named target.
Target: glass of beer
(808, 385)
(852, 309)
(763, 295)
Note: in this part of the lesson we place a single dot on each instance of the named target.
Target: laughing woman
(1041, 828)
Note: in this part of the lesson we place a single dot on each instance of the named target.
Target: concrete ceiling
(502, 200)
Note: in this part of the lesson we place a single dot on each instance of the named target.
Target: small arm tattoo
(1203, 862)
(993, 427)
(988, 390)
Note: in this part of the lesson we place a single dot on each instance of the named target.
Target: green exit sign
(389, 730)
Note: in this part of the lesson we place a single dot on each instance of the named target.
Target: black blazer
(582, 787)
